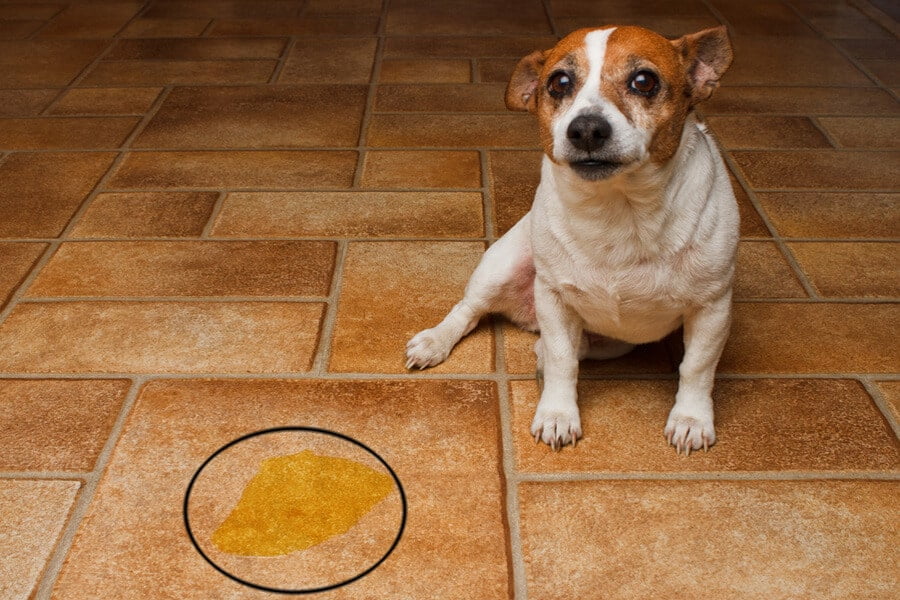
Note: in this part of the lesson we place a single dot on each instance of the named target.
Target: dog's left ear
(520, 92)
(707, 55)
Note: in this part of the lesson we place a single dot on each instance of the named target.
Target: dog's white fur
(631, 257)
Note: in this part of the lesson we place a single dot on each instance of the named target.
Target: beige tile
(33, 515)
(297, 26)
(244, 169)
(256, 117)
(159, 337)
(16, 260)
(351, 214)
(45, 63)
(450, 97)
(819, 169)
(147, 214)
(329, 60)
(767, 132)
(863, 132)
(179, 72)
(451, 485)
(91, 20)
(789, 60)
(183, 269)
(25, 103)
(416, 284)
(851, 270)
(491, 17)
(151, 27)
(834, 215)
(744, 100)
(812, 338)
(57, 424)
(105, 101)
(415, 169)
(808, 424)
(39, 193)
(453, 131)
(514, 178)
(891, 392)
(747, 539)
(429, 70)
(196, 49)
(65, 133)
(463, 46)
(762, 272)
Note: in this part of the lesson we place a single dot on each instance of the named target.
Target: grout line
(369, 109)
(814, 119)
(62, 475)
(882, 404)
(208, 29)
(550, 20)
(213, 216)
(329, 319)
(173, 299)
(876, 14)
(488, 209)
(282, 60)
(568, 476)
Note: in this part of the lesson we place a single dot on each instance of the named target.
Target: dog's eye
(560, 84)
(644, 83)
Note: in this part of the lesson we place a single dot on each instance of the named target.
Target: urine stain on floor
(297, 501)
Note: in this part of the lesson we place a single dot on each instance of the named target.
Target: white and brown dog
(633, 229)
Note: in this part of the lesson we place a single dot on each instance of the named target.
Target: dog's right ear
(520, 92)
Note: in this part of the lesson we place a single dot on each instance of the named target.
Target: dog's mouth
(595, 169)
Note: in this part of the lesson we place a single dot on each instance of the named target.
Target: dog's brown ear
(520, 92)
(707, 55)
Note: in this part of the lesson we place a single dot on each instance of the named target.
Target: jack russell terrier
(634, 225)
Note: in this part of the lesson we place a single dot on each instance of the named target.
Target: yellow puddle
(300, 500)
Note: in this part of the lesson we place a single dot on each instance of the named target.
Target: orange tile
(431, 70)
(744, 100)
(819, 169)
(514, 178)
(810, 424)
(332, 7)
(34, 514)
(851, 270)
(195, 49)
(760, 539)
(179, 424)
(834, 215)
(416, 284)
(871, 48)
(762, 272)
(415, 169)
(164, 28)
(19, 11)
(670, 26)
(462, 46)
(863, 132)
(57, 424)
(454, 131)
(143, 269)
(891, 392)
(618, 9)
(159, 337)
(848, 28)
(752, 225)
(256, 117)
(65, 133)
(297, 26)
(16, 260)
(91, 20)
(788, 60)
(329, 60)
(148, 214)
(39, 193)
(25, 103)
(351, 214)
(886, 70)
(45, 63)
(496, 70)
(763, 17)
(18, 30)
(247, 169)
(811, 338)
(491, 17)
(767, 132)
(218, 9)
(105, 101)
(441, 98)
(169, 72)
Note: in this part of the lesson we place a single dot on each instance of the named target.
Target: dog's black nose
(588, 132)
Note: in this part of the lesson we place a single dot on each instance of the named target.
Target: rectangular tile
(207, 268)
(752, 225)
(65, 133)
(257, 117)
(463, 46)
(788, 60)
(159, 337)
(764, 17)
(767, 132)
(417, 169)
(34, 515)
(147, 214)
(863, 132)
(514, 177)
(455, 131)
(449, 486)
(819, 169)
(833, 215)
(106, 101)
(234, 169)
(487, 97)
(91, 20)
(615, 9)
(351, 214)
(179, 72)
(743, 100)
(760, 539)
(810, 424)
(763, 272)
(669, 26)
(496, 70)
(42, 11)
(297, 26)
(891, 392)
(490, 17)
(427, 70)
(45, 63)
(152, 27)
(851, 270)
(18, 30)
(218, 9)
(196, 49)
(57, 424)
(412, 294)
(25, 103)
(324, 59)
(16, 260)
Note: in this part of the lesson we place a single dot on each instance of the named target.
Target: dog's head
(612, 98)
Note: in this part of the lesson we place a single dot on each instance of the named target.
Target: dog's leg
(690, 424)
(505, 270)
(556, 419)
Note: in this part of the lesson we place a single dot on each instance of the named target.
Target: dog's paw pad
(689, 432)
(426, 349)
(556, 427)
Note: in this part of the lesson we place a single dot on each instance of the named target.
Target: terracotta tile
(64, 133)
(142, 269)
(429, 70)
(57, 424)
(762, 272)
(617, 9)
(891, 392)
(765, 17)
(449, 485)
(169, 72)
(670, 26)
(886, 70)
(851, 270)
(816, 8)
(159, 337)
(34, 514)
(48, 63)
(871, 48)
(248, 169)
(514, 178)
(810, 424)
(39, 193)
(491, 17)
(329, 60)
(18, 30)
(834, 215)
(760, 539)
(799, 101)
(863, 132)
(819, 169)
(296, 26)
(165, 27)
(91, 20)
(218, 9)
(441, 98)
(370, 337)
(332, 7)
(256, 117)
(16, 260)
(789, 338)
(443, 46)
(19, 11)
(455, 131)
(196, 49)
(496, 70)
(105, 101)
(149, 214)
(767, 132)
(415, 169)
(843, 27)
(25, 103)
(752, 225)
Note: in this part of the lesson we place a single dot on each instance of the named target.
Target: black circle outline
(187, 524)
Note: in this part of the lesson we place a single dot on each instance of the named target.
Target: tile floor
(219, 216)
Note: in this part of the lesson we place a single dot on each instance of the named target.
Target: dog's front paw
(426, 349)
(690, 430)
(556, 425)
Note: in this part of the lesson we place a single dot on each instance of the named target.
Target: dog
(633, 230)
